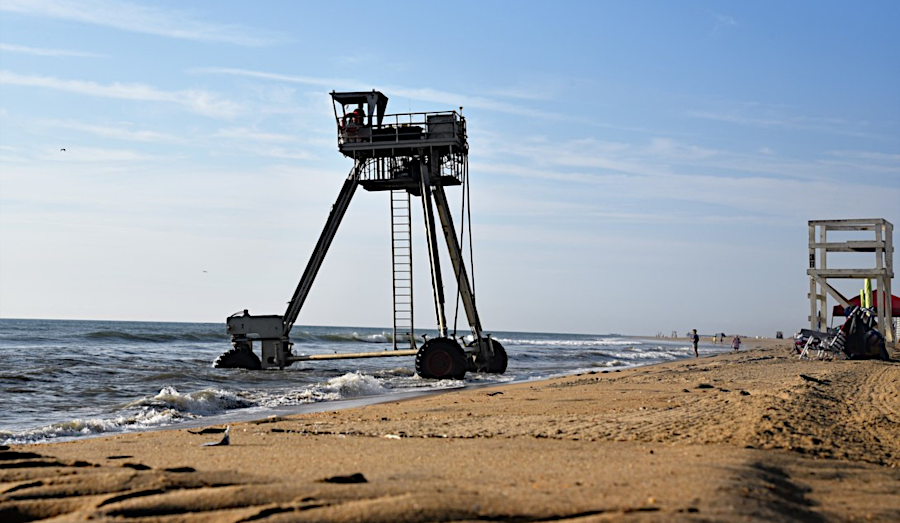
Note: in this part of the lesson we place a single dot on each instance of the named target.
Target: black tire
(441, 358)
(238, 359)
(500, 361)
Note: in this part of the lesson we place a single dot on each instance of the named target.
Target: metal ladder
(401, 256)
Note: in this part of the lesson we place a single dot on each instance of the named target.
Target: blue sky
(635, 167)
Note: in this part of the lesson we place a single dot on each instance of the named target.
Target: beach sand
(753, 436)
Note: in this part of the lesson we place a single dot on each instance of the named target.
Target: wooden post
(813, 295)
(891, 335)
(823, 264)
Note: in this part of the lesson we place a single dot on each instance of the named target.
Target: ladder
(401, 264)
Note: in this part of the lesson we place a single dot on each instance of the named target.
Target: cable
(462, 235)
(471, 254)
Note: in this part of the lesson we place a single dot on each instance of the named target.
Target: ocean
(65, 380)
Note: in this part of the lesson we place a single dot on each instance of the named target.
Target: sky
(635, 167)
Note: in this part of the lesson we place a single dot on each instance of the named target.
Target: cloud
(243, 133)
(271, 145)
(865, 161)
(282, 153)
(585, 164)
(147, 19)
(723, 21)
(198, 101)
(40, 51)
(757, 115)
(422, 94)
(122, 132)
(674, 150)
(95, 155)
(444, 98)
(654, 158)
(580, 198)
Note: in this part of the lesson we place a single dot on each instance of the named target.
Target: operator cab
(358, 113)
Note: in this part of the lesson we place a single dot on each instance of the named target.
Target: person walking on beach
(736, 343)
(695, 339)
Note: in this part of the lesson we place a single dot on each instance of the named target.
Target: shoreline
(259, 412)
(752, 436)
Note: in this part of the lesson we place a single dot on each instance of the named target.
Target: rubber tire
(238, 359)
(441, 358)
(500, 361)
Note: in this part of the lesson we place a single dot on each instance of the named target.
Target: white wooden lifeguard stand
(819, 272)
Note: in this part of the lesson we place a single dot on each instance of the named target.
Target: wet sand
(753, 436)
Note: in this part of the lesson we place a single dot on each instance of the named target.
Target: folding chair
(830, 348)
(811, 343)
(833, 348)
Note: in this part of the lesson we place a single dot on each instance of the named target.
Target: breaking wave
(165, 408)
(169, 406)
(350, 385)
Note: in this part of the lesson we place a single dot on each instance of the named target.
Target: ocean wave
(396, 372)
(613, 363)
(566, 343)
(350, 385)
(353, 336)
(151, 337)
(78, 428)
(165, 408)
(206, 402)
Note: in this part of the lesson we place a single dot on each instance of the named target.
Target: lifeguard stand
(410, 154)
(879, 241)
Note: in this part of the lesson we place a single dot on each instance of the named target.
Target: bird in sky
(62, 150)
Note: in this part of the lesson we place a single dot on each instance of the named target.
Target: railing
(445, 126)
(453, 165)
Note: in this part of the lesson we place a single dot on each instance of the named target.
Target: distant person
(352, 121)
(359, 117)
(695, 339)
(736, 343)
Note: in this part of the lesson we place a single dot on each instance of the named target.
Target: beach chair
(834, 347)
(811, 343)
(829, 348)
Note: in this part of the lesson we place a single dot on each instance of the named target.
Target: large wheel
(500, 361)
(441, 358)
(498, 364)
(238, 359)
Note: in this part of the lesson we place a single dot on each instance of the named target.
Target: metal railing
(403, 128)
(454, 164)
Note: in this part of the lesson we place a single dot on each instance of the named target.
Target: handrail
(403, 127)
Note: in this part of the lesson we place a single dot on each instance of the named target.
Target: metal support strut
(485, 357)
(315, 261)
(434, 259)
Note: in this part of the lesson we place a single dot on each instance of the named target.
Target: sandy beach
(752, 436)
